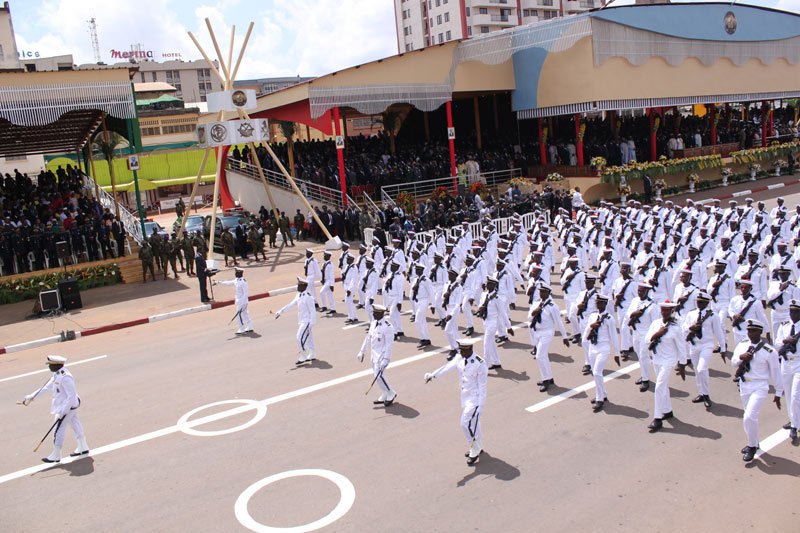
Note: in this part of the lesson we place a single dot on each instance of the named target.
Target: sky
(290, 37)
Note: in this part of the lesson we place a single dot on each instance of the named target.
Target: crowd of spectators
(37, 213)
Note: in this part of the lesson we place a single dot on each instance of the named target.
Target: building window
(141, 74)
(469, 31)
(204, 74)
(485, 10)
(405, 31)
(549, 14)
(154, 77)
(484, 29)
(529, 13)
(448, 35)
(408, 48)
(431, 22)
(546, 2)
(447, 17)
(438, 3)
(441, 38)
(587, 4)
(467, 11)
(178, 91)
(438, 19)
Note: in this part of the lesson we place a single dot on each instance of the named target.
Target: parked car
(193, 223)
(229, 222)
(148, 228)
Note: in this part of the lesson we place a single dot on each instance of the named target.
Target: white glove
(360, 357)
(428, 377)
(27, 400)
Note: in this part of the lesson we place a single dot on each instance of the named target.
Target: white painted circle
(346, 489)
(188, 427)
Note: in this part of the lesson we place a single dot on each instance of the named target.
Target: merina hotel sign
(142, 55)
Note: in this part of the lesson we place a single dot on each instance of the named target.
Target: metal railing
(311, 191)
(132, 224)
(386, 200)
(370, 203)
(421, 189)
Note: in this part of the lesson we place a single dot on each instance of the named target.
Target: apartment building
(422, 23)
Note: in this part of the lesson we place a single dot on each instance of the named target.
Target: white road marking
(775, 186)
(42, 371)
(358, 325)
(347, 495)
(770, 442)
(553, 400)
(261, 412)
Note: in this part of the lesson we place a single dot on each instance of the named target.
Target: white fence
(132, 224)
(425, 188)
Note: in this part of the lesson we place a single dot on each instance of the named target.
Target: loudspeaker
(70, 294)
(50, 300)
(62, 249)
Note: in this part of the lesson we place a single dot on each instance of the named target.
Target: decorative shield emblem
(246, 129)
(730, 22)
(218, 133)
(239, 98)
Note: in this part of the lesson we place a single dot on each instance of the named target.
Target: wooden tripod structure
(227, 78)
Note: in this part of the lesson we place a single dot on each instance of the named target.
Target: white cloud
(305, 37)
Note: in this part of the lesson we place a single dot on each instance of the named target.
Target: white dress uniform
(751, 309)
(350, 285)
(326, 292)
(494, 308)
(701, 347)
(671, 349)
(721, 289)
(600, 348)
(438, 277)
(625, 290)
(312, 273)
(661, 281)
(452, 302)
(64, 406)
(471, 281)
(378, 343)
(729, 257)
(607, 275)
(421, 296)
(392, 297)
(542, 332)
(778, 299)
(306, 317)
(361, 266)
(764, 368)
(685, 298)
(241, 300)
(790, 370)
(757, 275)
(647, 311)
(573, 282)
(507, 294)
(473, 376)
(368, 285)
(778, 261)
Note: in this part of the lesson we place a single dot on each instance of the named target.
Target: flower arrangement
(13, 291)
(554, 176)
(662, 158)
(779, 163)
(440, 193)
(659, 184)
(406, 201)
(520, 182)
(726, 171)
(624, 190)
(693, 178)
(636, 169)
(581, 131)
(598, 162)
(480, 188)
(744, 157)
(755, 167)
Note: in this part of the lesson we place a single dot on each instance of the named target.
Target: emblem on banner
(730, 23)
(218, 133)
(246, 130)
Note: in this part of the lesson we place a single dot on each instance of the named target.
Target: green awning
(164, 98)
(154, 184)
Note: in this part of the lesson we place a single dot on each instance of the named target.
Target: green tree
(108, 149)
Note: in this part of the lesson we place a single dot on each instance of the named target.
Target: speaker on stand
(70, 294)
(63, 251)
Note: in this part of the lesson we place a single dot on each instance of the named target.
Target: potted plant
(659, 186)
(693, 179)
(777, 165)
(598, 164)
(554, 177)
(726, 173)
(754, 168)
(624, 192)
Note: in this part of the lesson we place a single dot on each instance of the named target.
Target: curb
(139, 321)
(754, 190)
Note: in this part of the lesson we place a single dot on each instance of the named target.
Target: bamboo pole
(194, 193)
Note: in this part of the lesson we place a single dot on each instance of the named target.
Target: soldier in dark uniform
(200, 268)
(256, 242)
(146, 257)
(118, 229)
(200, 243)
(91, 241)
(105, 242)
(156, 241)
(285, 227)
(241, 239)
(188, 252)
(173, 250)
(6, 255)
(76, 240)
(299, 223)
(272, 230)
(228, 246)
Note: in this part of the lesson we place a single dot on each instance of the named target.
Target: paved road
(558, 468)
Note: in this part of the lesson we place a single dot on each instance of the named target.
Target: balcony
(574, 6)
(494, 21)
(491, 3)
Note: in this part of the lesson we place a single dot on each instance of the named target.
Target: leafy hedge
(29, 288)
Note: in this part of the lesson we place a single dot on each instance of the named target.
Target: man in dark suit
(118, 230)
(241, 239)
(202, 275)
(648, 188)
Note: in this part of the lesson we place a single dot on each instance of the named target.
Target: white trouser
(739, 334)
(471, 421)
(503, 321)
(625, 338)
(368, 305)
(350, 305)
(663, 404)
(420, 320)
(701, 357)
(312, 288)
(778, 318)
(74, 422)
(394, 316)
(585, 344)
(326, 295)
(243, 316)
(361, 295)
(451, 330)
(573, 324)
(753, 396)
(795, 400)
(466, 310)
(721, 310)
(489, 346)
(598, 355)
(541, 340)
(305, 337)
(379, 367)
(643, 353)
(788, 378)
(438, 295)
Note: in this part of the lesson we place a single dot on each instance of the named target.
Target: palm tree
(108, 148)
(288, 129)
(391, 123)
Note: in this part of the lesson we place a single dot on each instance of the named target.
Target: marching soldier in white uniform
(312, 273)
(756, 365)
(667, 346)
(781, 292)
(64, 406)
(328, 278)
(393, 297)
(350, 285)
(489, 310)
(786, 341)
(600, 335)
(473, 372)
(369, 285)
(378, 343)
(241, 300)
(543, 318)
(306, 317)
(421, 296)
(744, 307)
(701, 329)
(452, 301)
(721, 289)
(641, 313)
